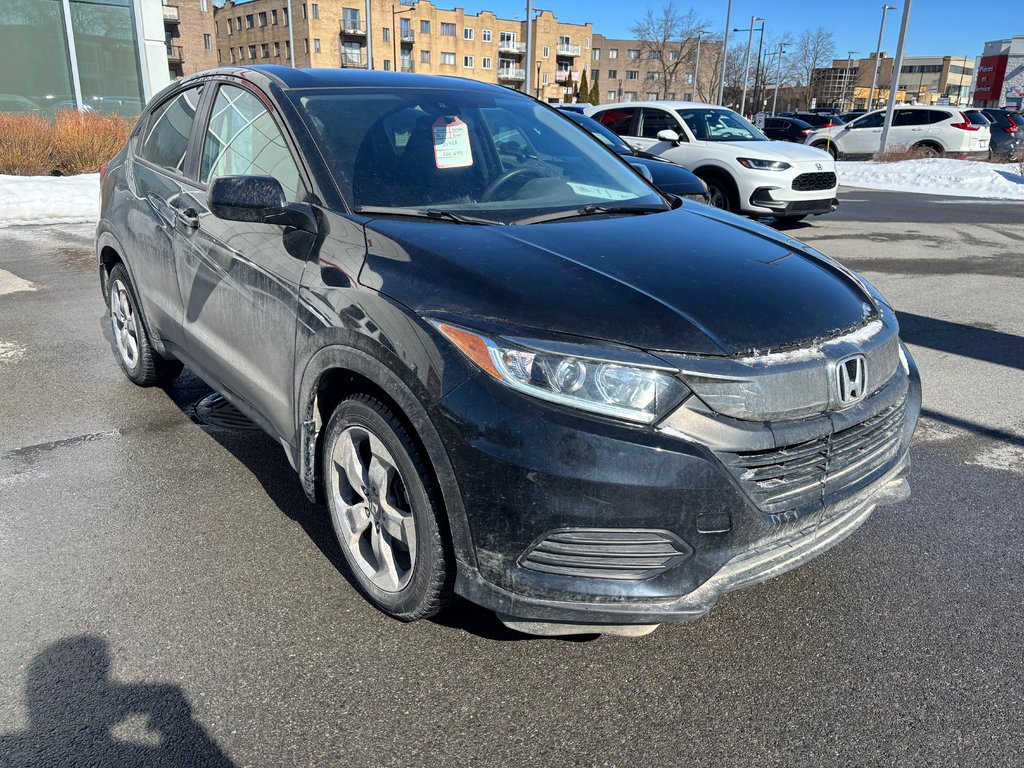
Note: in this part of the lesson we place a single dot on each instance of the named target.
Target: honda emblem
(851, 379)
(818, 166)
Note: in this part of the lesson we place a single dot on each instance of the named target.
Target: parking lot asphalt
(169, 597)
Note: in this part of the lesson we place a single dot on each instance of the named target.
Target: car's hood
(779, 150)
(694, 280)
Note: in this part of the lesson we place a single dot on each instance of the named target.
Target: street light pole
(291, 34)
(758, 89)
(897, 67)
(746, 62)
(725, 54)
(878, 55)
(778, 78)
(846, 81)
(696, 63)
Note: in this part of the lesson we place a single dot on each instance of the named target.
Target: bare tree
(813, 50)
(668, 41)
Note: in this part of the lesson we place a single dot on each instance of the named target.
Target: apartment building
(923, 80)
(190, 35)
(626, 71)
(412, 38)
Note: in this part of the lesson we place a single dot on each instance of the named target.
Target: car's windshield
(719, 125)
(606, 137)
(485, 154)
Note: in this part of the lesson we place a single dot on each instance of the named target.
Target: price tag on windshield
(451, 143)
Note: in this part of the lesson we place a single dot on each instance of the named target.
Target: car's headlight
(597, 382)
(763, 165)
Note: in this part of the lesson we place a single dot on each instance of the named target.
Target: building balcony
(511, 46)
(171, 15)
(407, 36)
(511, 73)
(567, 50)
(566, 75)
(407, 66)
(352, 60)
(174, 54)
(355, 27)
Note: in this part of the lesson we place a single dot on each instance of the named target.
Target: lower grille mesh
(599, 553)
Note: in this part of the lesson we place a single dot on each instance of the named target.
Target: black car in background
(509, 366)
(817, 120)
(666, 176)
(787, 129)
(1007, 129)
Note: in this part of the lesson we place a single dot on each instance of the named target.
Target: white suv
(931, 131)
(744, 170)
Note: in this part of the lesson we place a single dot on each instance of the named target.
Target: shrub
(72, 142)
(26, 145)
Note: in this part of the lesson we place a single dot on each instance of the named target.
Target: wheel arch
(336, 372)
(705, 172)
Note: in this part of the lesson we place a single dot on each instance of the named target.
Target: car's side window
(937, 116)
(654, 120)
(869, 121)
(910, 117)
(243, 140)
(618, 121)
(773, 123)
(165, 138)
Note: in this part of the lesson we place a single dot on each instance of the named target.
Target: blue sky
(937, 27)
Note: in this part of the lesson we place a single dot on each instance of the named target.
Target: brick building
(190, 35)
(626, 71)
(414, 38)
(923, 80)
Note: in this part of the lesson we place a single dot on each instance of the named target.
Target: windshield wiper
(593, 210)
(422, 213)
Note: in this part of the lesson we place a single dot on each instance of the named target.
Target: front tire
(384, 510)
(828, 146)
(719, 193)
(139, 361)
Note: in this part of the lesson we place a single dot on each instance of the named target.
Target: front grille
(780, 480)
(601, 553)
(814, 182)
(808, 206)
(697, 198)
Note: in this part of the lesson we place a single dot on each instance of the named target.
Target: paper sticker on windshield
(451, 143)
(591, 191)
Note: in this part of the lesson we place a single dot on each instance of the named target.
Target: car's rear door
(240, 280)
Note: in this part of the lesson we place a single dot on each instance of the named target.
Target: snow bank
(49, 199)
(937, 176)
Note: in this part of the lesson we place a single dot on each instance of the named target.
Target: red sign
(990, 78)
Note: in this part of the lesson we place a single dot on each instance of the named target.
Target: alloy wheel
(125, 324)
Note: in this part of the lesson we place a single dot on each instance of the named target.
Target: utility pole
(746, 61)
(291, 34)
(897, 67)
(846, 82)
(878, 55)
(778, 78)
(696, 64)
(529, 48)
(758, 85)
(725, 54)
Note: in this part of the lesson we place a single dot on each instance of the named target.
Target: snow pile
(49, 199)
(937, 176)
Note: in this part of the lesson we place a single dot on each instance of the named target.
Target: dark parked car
(1007, 133)
(666, 176)
(848, 116)
(787, 129)
(817, 120)
(505, 362)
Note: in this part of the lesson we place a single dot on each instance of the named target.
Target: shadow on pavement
(964, 340)
(78, 716)
(1001, 435)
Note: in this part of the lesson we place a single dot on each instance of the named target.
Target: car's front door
(863, 136)
(239, 280)
(652, 122)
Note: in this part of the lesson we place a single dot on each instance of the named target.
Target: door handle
(189, 217)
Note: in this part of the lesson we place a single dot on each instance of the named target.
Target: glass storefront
(37, 73)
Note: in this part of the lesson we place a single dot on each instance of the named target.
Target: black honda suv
(509, 367)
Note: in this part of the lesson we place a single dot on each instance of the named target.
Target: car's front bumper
(764, 200)
(540, 479)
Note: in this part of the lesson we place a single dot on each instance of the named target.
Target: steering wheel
(505, 178)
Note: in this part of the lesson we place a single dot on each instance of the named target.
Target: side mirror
(643, 170)
(668, 135)
(257, 199)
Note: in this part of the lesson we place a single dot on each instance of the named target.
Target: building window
(265, 50)
(352, 53)
(653, 75)
(424, 57)
(595, 74)
(232, 55)
(629, 96)
(288, 48)
(597, 54)
(544, 79)
(249, 21)
(611, 95)
(208, 42)
(632, 74)
(204, 6)
(305, 45)
(316, 44)
(230, 25)
(467, 62)
(564, 40)
(424, 27)
(654, 55)
(634, 53)
(386, 32)
(387, 65)
(316, 10)
(673, 55)
(547, 52)
(486, 35)
(252, 52)
(586, 42)
(613, 73)
(303, 10)
(277, 50)
(448, 30)
(448, 58)
(273, 17)
(262, 18)
(651, 96)
(284, 13)
(467, 33)
(485, 62)
(613, 53)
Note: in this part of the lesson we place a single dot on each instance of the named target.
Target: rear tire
(926, 150)
(142, 364)
(384, 510)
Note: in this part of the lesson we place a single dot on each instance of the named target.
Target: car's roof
(663, 105)
(289, 78)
